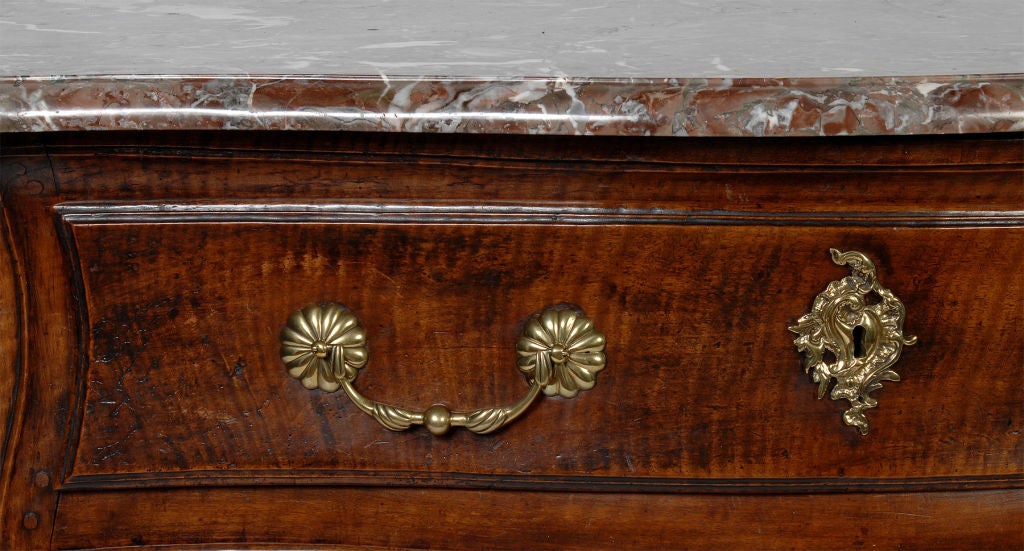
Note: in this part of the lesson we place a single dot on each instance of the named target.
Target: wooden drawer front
(183, 382)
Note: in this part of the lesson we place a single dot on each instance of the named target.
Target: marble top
(657, 67)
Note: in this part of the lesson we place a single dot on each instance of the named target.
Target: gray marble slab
(611, 38)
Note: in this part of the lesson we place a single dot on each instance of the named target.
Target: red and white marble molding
(820, 106)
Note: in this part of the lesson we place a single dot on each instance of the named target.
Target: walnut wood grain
(461, 519)
(49, 340)
(912, 174)
(10, 360)
(702, 381)
(130, 325)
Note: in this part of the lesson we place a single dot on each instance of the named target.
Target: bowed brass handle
(859, 324)
(559, 352)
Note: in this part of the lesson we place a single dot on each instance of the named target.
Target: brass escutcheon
(853, 335)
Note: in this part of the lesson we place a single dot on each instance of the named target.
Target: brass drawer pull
(853, 334)
(560, 352)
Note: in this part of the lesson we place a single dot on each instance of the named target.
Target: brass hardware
(323, 346)
(559, 352)
(864, 337)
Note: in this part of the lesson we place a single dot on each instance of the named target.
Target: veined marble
(488, 38)
(657, 107)
(658, 67)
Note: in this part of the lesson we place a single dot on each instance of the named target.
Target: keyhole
(858, 342)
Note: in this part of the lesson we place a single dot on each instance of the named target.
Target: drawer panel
(183, 383)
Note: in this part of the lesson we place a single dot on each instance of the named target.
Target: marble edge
(698, 107)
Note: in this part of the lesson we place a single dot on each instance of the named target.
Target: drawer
(184, 380)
